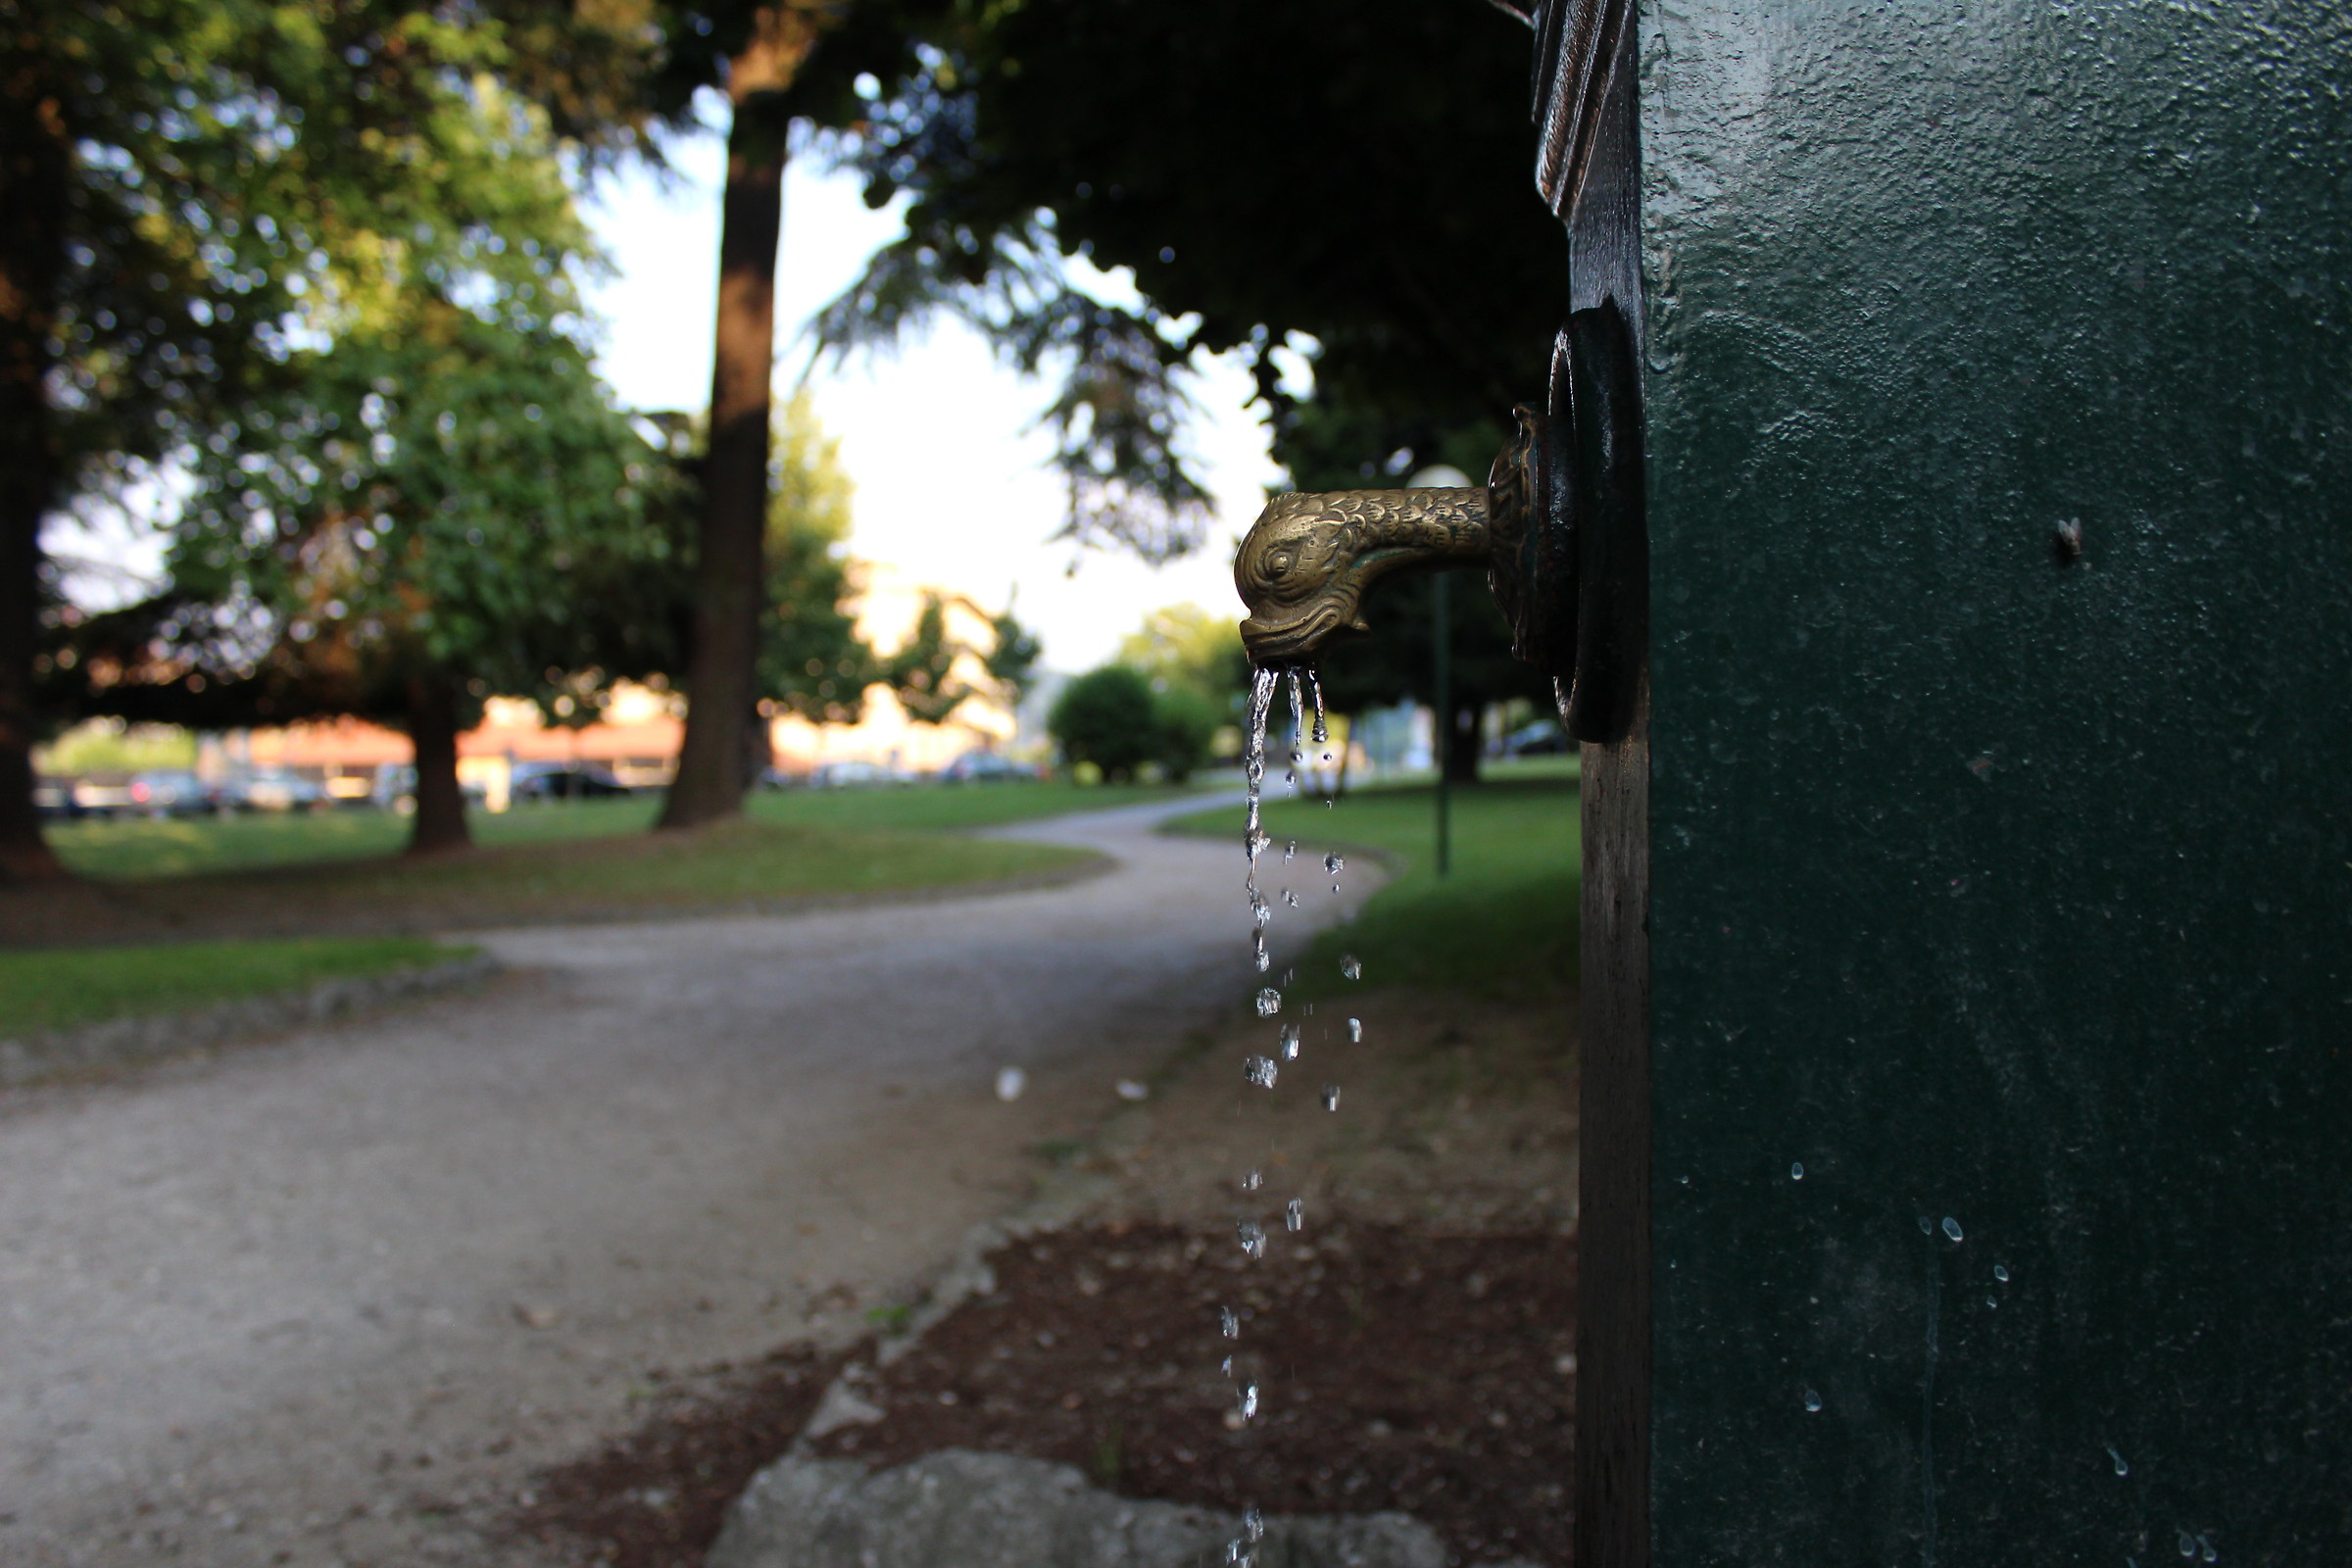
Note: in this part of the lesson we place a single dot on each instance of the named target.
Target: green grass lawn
(139, 850)
(58, 990)
(305, 897)
(1503, 923)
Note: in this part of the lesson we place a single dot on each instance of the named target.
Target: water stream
(1263, 1070)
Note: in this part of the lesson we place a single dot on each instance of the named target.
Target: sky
(951, 487)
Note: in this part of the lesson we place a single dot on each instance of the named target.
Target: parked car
(984, 767)
(174, 792)
(277, 790)
(1542, 738)
(563, 781)
(53, 799)
(103, 796)
(855, 776)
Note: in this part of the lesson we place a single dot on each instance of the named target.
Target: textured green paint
(1986, 886)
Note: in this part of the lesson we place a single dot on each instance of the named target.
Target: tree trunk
(1461, 742)
(729, 568)
(34, 174)
(440, 820)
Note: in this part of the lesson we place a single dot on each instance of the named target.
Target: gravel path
(334, 1298)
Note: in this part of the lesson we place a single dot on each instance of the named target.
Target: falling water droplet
(1812, 1400)
(1253, 1237)
(1259, 956)
(2189, 1544)
(1228, 1324)
(1355, 1031)
(1322, 730)
(1260, 1072)
(1796, 1171)
(1350, 967)
(1269, 1003)
(2121, 1468)
(1994, 1301)
(1290, 898)
(1011, 1081)
(1249, 1393)
(1294, 1214)
(1252, 1181)
(2001, 1271)
(1289, 1041)
(1952, 1227)
(1226, 1366)
(1290, 851)
(1262, 914)
(2211, 1554)
(1331, 1097)
(1335, 863)
(1927, 1226)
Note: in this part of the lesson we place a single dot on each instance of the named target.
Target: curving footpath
(335, 1298)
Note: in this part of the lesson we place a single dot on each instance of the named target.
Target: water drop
(2189, 1544)
(1011, 1081)
(1335, 863)
(1252, 1181)
(1289, 1041)
(1228, 1324)
(1293, 1215)
(1259, 957)
(1254, 1524)
(1226, 1366)
(1355, 1031)
(1290, 898)
(1131, 1089)
(1796, 1171)
(1249, 1398)
(1331, 1097)
(1290, 851)
(1812, 1400)
(1253, 1237)
(1260, 1072)
(1993, 1301)
(2001, 1271)
(1927, 1226)
(1262, 914)
(1349, 969)
(2121, 1467)
(1269, 1003)
(1322, 731)
(2211, 1555)
(1952, 1227)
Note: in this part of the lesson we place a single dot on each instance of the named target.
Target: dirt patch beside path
(1411, 1342)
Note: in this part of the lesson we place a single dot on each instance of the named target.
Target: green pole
(1442, 725)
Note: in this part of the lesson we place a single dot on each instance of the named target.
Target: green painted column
(1999, 433)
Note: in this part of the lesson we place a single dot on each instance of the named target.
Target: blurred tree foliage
(1350, 178)
(439, 500)
(811, 660)
(1112, 718)
(185, 183)
(1183, 647)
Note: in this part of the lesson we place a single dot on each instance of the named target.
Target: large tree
(180, 180)
(778, 63)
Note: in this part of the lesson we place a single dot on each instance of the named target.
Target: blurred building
(636, 738)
